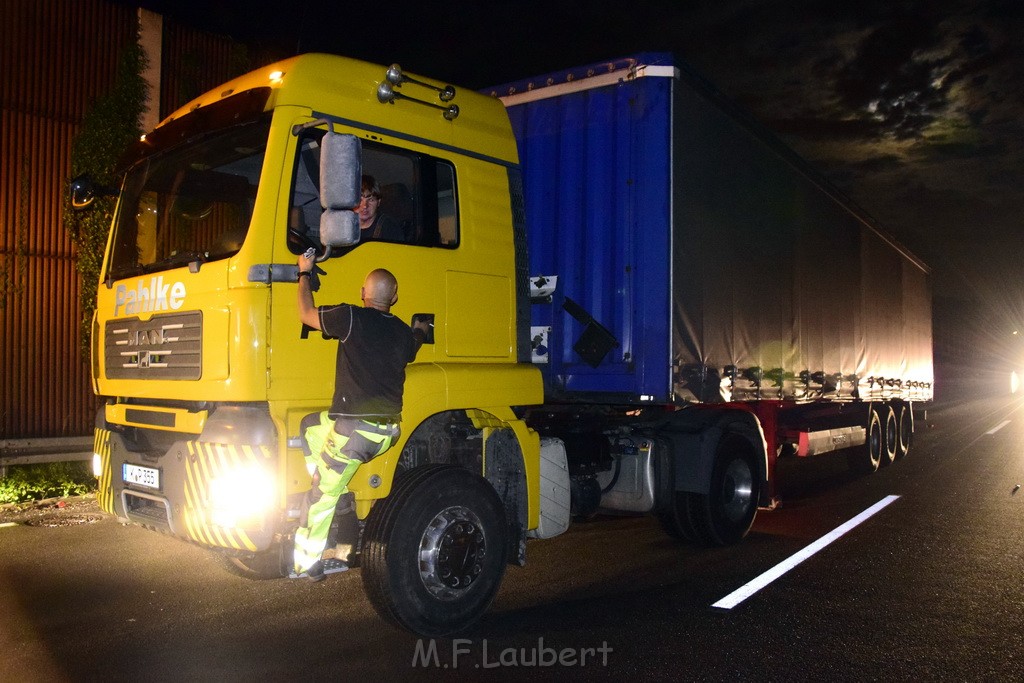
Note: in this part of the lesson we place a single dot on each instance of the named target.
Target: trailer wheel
(904, 430)
(724, 514)
(866, 460)
(434, 551)
(891, 432)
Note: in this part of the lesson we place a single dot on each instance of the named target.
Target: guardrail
(35, 451)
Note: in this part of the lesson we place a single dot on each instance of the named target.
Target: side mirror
(340, 190)
(84, 192)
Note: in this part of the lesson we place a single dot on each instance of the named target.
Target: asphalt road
(929, 588)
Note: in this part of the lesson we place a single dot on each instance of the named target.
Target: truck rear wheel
(724, 514)
(434, 551)
(675, 519)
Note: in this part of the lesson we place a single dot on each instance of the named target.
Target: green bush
(49, 480)
(110, 124)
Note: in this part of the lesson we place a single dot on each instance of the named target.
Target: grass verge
(25, 483)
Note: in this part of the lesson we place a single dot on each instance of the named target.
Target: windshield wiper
(182, 258)
(173, 261)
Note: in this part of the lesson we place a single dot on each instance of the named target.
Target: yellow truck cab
(198, 346)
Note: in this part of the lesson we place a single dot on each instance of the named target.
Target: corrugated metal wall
(56, 57)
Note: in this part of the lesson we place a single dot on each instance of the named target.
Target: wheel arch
(492, 443)
(701, 432)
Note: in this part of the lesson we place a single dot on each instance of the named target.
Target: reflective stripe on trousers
(336, 450)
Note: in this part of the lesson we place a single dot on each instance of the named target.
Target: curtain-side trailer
(690, 274)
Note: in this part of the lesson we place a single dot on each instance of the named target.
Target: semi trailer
(640, 301)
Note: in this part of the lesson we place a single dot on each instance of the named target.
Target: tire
(724, 514)
(865, 460)
(675, 520)
(269, 564)
(904, 430)
(892, 435)
(409, 577)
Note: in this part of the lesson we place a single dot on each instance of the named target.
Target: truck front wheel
(434, 551)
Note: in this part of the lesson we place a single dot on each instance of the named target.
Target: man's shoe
(313, 574)
(333, 565)
(320, 570)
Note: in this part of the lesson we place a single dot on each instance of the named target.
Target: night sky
(912, 108)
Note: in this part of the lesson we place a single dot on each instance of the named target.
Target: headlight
(240, 496)
(1014, 382)
(97, 465)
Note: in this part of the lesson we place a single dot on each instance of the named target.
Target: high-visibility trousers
(336, 449)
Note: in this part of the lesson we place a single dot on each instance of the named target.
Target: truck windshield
(190, 204)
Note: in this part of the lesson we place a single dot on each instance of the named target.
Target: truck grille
(167, 346)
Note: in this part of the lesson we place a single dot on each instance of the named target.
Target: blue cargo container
(680, 254)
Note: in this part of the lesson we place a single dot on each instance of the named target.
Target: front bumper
(215, 494)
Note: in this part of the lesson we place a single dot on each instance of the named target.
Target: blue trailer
(688, 269)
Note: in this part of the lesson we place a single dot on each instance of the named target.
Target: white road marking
(4, 525)
(744, 592)
(997, 428)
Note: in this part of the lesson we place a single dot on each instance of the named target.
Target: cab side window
(447, 208)
(304, 211)
(407, 197)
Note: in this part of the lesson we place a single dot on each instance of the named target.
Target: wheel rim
(451, 552)
(737, 490)
(875, 443)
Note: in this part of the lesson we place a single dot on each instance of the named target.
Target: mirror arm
(299, 127)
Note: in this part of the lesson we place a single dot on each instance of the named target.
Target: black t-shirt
(386, 228)
(374, 348)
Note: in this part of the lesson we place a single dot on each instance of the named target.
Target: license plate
(141, 476)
